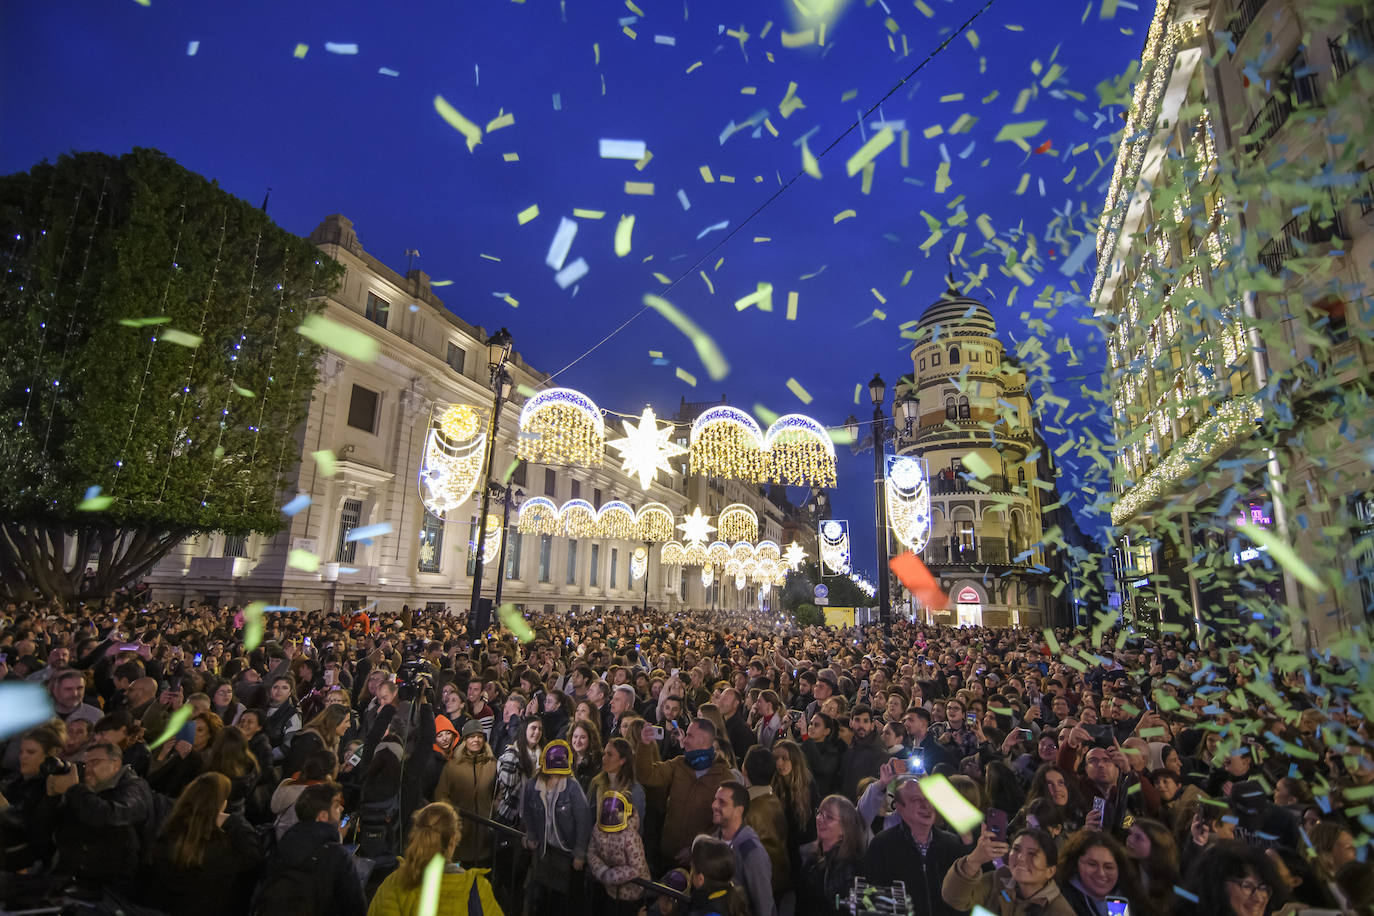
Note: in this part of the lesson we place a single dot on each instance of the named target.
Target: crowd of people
(690, 763)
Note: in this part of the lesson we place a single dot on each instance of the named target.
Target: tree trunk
(33, 559)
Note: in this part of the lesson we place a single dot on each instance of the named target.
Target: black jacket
(894, 856)
(222, 886)
(824, 758)
(821, 881)
(741, 736)
(99, 834)
(334, 882)
(861, 760)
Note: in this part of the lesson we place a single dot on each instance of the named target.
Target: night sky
(330, 133)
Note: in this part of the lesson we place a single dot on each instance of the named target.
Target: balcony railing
(1292, 91)
(1299, 231)
(1352, 47)
(1244, 17)
(985, 552)
(943, 486)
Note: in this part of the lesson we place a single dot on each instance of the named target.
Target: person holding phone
(1095, 867)
(914, 850)
(957, 733)
(1024, 885)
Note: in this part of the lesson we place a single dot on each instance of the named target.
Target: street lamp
(877, 392)
(498, 354)
(508, 498)
(648, 555)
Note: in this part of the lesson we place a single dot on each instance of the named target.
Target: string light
(578, 518)
(671, 554)
(654, 522)
(908, 501)
(834, 541)
(741, 552)
(694, 554)
(708, 575)
(459, 423)
(798, 452)
(561, 426)
(795, 555)
(616, 521)
(538, 515)
(646, 448)
(492, 546)
(696, 528)
(451, 466)
(738, 522)
(718, 552)
(768, 550)
(726, 442)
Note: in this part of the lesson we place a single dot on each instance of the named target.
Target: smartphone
(996, 824)
(130, 647)
(1025, 733)
(307, 641)
(345, 821)
(674, 672)
(197, 659)
(1099, 806)
(354, 760)
(653, 733)
(1118, 906)
(972, 718)
(916, 765)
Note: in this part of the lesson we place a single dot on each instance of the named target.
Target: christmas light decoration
(492, 546)
(908, 501)
(767, 550)
(742, 551)
(726, 442)
(696, 528)
(654, 522)
(834, 540)
(794, 556)
(538, 515)
(798, 452)
(615, 520)
(738, 522)
(708, 575)
(561, 426)
(671, 554)
(578, 518)
(694, 554)
(739, 581)
(452, 462)
(718, 553)
(639, 563)
(647, 448)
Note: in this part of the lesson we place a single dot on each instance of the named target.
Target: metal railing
(994, 483)
(1354, 46)
(1304, 229)
(984, 552)
(1244, 17)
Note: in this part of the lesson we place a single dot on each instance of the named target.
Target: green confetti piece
(451, 115)
(514, 621)
(303, 560)
(953, 807)
(94, 501)
(1284, 555)
(766, 416)
(527, 214)
(328, 464)
(510, 471)
(242, 392)
(174, 724)
(143, 322)
(254, 625)
(342, 340)
(686, 376)
(796, 388)
(977, 465)
(180, 338)
(301, 50)
(1051, 641)
(707, 350)
(430, 885)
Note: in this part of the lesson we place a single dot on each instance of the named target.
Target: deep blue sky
(329, 133)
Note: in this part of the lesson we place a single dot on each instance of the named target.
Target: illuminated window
(430, 554)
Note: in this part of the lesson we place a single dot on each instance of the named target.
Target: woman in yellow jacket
(1022, 886)
(435, 830)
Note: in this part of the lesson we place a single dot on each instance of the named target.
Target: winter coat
(616, 858)
(689, 797)
(894, 856)
(862, 759)
(468, 783)
(572, 818)
(753, 871)
(996, 892)
(510, 784)
(740, 734)
(769, 821)
(283, 804)
(334, 884)
(100, 831)
(462, 892)
(304, 743)
(823, 878)
(825, 758)
(174, 772)
(221, 886)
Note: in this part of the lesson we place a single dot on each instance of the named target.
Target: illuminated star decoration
(646, 448)
(696, 528)
(794, 555)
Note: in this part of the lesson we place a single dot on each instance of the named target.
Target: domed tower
(968, 414)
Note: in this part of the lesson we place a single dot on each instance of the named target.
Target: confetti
(527, 214)
(953, 807)
(514, 621)
(790, 102)
(93, 501)
(254, 627)
(338, 47)
(588, 214)
(143, 322)
(23, 705)
(301, 51)
(571, 274)
(326, 461)
(471, 131)
(1284, 555)
(191, 48)
(302, 560)
(342, 340)
(643, 188)
(682, 199)
(367, 532)
(792, 306)
(844, 215)
(623, 149)
(387, 71)
(561, 244)
(869, 151)
(298, 502)
(809, 163)
(686, 376)
(707, 350)
(622, 234)
(762, 296)
(180, 338)
(723, 224)
(796, 388)
(505, 119)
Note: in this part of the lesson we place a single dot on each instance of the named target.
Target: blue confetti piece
(280, 608)
(92, 492)
(368, 532)
(23, 705)
(1186, 895)
(299, 502)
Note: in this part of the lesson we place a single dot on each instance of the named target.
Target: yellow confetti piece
(963, 124)
(1019, 131)
(662, 278)
(769, 125)
(792, 306)
(303, 560)
(973, 38)
(629, 31)
(762, 297)
(242, 392)
(953, 807)
(588, 214)
(858, 386)
(925, 10)
(686, 376)
(329, 465)
(514, 302)
(809, 163)
(300, 52)
(706, 175)
(629, 4)
(797, 39)
(727, 179)
(527, 214)
(880, 314)
(866, 183)
(942, 179)
(644, 161)
(471, 131)
(254, 625)
(844, 215)
(796, 388)
(174, 724)
(489, 257)
(1025, 182)
(622, 234)
(180, 338)
(933, 130)
(342, 340)
(1284, 555)
(748, 90)
(877, 295)
(976, 465)
(711, 287)
(759, 239)
(952, 97)
(506, 119)
(707, 350)
(642, 188)
(790, 102)
(596, 52)
(906, 149)
(906, 278)
(511, 157)
(694, 66)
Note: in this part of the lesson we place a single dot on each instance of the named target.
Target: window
(514, 542)
(518, 478)
(987, 356)
(923, 365)
(472, 546)
(596, 498)
(1021, 478)
(963, 408)
(377, 310)
(550, 482)
(456, 357)
(349, 517)
(951, 411)
(594, 567)
(362, 409)
(572, 562)
(577, 489)
(953, 356)
(615, 562)
(431, 544)
(545, 556)
(235, 545)
(973, 356)
(935, 359)
(965, 536)
(1361, 509)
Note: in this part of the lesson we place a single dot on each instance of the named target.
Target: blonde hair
(195, 818)
(434, 831)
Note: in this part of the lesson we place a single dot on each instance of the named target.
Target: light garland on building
(798, 452)
(615, 520)
(907, 492)
(639, 563)
(561, 426)
(738, 522)
(578, 518)
(739, 581)
(768, 550)
(451, 466)
(492, 546)
(864, 585)
(696, 528)
(833, 535)
(694, 554)
(671, 554)
(654, 522)
(708, 575)
(741, 552)
(538, 515)
(794, 556)
(647, 448)
(718, 553)
(726, 442)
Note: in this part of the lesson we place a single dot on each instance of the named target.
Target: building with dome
(966, 411)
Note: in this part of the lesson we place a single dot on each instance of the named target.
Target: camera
(410, 675)
(54, 766)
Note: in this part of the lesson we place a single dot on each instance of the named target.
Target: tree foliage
(152, 352)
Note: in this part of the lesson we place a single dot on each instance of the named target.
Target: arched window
(1021, 478)
(963, 408)
(951, 412)
(953, 355)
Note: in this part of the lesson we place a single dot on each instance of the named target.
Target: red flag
(919, 581)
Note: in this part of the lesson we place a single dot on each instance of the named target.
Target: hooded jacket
(468, 783)
(462, 892)
(753, 871)
(334, 884)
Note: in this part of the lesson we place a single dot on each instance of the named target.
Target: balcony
(1244, 17)
(1293, 239)
(1352, 47)
(986, 552)
(945, 486)
(1274, 113)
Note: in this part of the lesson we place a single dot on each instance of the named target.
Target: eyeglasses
(1252, 888)
(825, 816)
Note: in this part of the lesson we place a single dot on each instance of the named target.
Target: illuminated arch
(538, 515)
(451, 465)
(578, 518)
(768, 550)
(561, 426)
(742, 551)
(654, 522)
(799, 452)
(738, 522)
(671, 554)
(718, 552)
(615, 520)
(726, 442)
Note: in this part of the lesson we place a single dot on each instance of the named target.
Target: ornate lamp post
(498, 354)
(877, 392)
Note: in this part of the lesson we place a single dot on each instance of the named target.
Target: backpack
(289, 890)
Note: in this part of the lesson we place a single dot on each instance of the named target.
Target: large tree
(150, 350)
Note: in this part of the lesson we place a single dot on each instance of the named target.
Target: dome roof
(955, 312)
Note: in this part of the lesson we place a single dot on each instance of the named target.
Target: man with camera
(102, 819)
